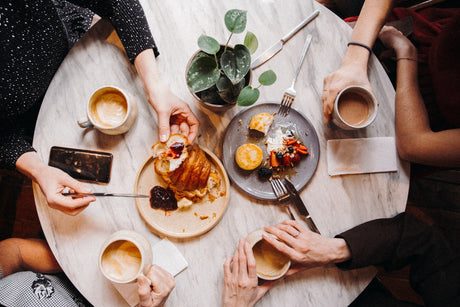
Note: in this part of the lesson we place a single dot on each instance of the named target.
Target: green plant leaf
(248, 96)
(202, 73)
(267, 78)
(208, 44)
(250, 41)
(236, 63)
(235, 20)
(227, 90)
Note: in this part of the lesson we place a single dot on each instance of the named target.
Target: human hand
(156, 294)
(240, 279)
(306, 247)
(174, 115)
(346, 75)
(397, 43)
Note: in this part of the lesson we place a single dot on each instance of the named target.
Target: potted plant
(218, 75)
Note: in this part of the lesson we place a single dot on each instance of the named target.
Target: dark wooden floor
(434, 197)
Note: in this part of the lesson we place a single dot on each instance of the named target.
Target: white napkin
(165, 255)
(364, 155)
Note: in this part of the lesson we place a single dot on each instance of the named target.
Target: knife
(270, 52)
(105, 195)
(300, 205)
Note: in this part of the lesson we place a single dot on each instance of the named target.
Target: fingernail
(163, 138)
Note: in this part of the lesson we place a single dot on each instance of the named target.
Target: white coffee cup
(271, 264)
(111, 110)
(355, 107)
(124, 256)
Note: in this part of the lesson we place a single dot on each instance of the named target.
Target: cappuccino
(121, 260)
(270, 263)
(353, 108)
(109, 109)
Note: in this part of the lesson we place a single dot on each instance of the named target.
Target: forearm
(147, 69)
(30, 165)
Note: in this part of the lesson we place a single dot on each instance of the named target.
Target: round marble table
(336, 203)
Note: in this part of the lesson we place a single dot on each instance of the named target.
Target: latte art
(121, 260)
(269, 261)
(110, 109)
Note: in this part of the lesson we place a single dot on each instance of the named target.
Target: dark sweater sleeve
(128, 19)
(12, 146)
(402, 240)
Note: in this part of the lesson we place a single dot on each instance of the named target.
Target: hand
(240, 279)
(156, 294)
(346, 75)
(174, 115)
(306, 247)
(394, 40)
(53, 181)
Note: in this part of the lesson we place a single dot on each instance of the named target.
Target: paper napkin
(363, 155)
(165, 255)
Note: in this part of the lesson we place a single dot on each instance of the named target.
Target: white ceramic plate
(237, 133)
(181, 223)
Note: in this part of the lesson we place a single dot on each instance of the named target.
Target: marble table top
(336, 203)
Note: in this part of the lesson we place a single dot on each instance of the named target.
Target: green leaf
(227, 90)
(235, 20)
(208, 44)
(236, 63)
(202, 73)
(267, 78)
(248, 96)
(250, 41)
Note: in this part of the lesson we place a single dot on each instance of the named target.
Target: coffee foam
(109, 109)
(121, 260)
(269, 261)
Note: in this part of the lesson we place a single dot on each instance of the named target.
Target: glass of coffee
(354, 108)
(124, 256)
(270, 263)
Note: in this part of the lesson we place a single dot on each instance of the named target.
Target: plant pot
(209, 98)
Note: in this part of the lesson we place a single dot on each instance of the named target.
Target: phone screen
(93, 166)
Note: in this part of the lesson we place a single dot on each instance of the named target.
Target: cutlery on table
(281, 194)
(106, 195)
(270, 52)
(292, 191)
(290, 93)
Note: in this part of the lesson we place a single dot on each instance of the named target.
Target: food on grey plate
(249, 156)
(285, 149)
(261, 122)
(186, 170)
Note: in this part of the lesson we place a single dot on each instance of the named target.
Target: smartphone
(88, 165)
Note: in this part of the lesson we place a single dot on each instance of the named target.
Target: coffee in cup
(124, 256)
(354, 108)
(111, 110)
(270, 263)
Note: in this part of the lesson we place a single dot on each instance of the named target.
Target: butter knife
(106, 195)
(270, 52)
(300, 205)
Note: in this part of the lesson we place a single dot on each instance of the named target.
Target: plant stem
(231, 34)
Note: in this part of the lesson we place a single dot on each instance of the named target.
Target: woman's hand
(155, 295)
(52, 182)
(306, 247)
(240, 279)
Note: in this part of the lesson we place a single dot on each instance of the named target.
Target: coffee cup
(124, 256)
(111, 110)
(354, 108)
(271, 264)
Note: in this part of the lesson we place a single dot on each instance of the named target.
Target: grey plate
(237, 133)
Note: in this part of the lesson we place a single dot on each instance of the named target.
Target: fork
(281, 193)
(290, 93)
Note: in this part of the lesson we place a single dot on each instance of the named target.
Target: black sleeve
(402, 240)
(12, 146)
(128, 19)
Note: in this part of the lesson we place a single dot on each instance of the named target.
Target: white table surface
(336, 203)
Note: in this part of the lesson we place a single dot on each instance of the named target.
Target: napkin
(165, 255)
(362, 155)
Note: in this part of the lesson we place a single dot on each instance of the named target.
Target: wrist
(408, 51)
(357, 57)
(340, 251)
(30, 165)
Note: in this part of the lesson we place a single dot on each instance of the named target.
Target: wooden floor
(434, 197)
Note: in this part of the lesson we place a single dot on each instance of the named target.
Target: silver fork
(290, 93)
(281, 194)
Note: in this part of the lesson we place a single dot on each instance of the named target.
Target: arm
(416, 142)
(26, 255)
(52, 182)
(353, 70)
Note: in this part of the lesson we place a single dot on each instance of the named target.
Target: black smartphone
(88, 165)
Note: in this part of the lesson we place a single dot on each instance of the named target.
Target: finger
(235, 267)
(252, 273)
(143, 289)
(296, 225)
(281, 246)
(184, 128)
(163, 126)
(175, 129)
(281, 234)
(227, 269)
(194, 126)
(161, 279)
(242, 265)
